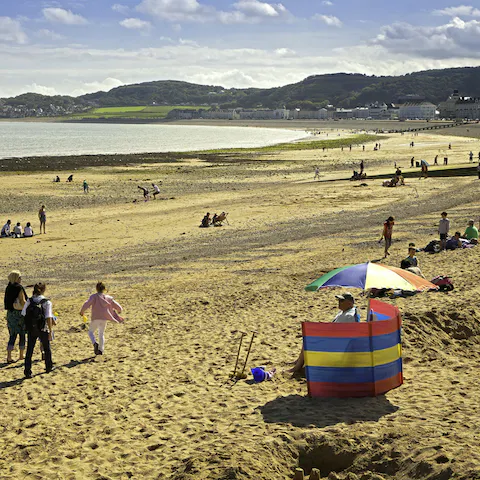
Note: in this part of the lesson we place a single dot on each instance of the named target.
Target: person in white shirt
(156, 190)
(348, 314)
(17, 230)
(28, 230)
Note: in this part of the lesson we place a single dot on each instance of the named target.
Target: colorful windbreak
(354, 359)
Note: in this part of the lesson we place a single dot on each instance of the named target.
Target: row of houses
(376, 111)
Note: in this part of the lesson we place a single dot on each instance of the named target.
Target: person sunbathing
(454, 242)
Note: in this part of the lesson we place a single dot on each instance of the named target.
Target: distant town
(408, 107)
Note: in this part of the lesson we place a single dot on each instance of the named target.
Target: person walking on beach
(317, 174)
(104, 309)
(86, 188)
(42, 216)
(443, 228)
(435, 161)
(412, 162)
(14, 300)
(156, 190)
(470, 156)
(387, 234)
(146, 196)
(38, 313)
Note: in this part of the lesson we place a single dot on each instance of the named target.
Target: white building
(468, 108)
(298, 114)
(378, 111)
(417, 111)
(264, 114)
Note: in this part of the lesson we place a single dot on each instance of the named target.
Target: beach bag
(445, 283)
(35, 316)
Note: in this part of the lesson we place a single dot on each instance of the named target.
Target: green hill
(340, 89)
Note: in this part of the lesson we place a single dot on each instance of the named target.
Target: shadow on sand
(303, 411)
(18, 381)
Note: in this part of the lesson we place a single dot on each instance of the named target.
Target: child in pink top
(104, 309)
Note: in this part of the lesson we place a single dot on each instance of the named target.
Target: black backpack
(35, 319)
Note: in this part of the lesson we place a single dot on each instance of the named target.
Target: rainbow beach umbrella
(371, 275)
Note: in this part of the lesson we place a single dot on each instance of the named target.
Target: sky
(73, 47)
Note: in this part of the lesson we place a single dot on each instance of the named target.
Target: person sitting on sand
(410, 263)
(411, 260)
(146, 196)
(70, 178)
(454, 242)
(57, 179)
(206, 221)
(156, 190)
(348, 314)
(28, 231)
(471, 232)
(6, 229)
(17, 231)
(104, 309)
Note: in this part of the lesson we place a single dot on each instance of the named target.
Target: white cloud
(104, 86)
(34, 88)
(191, 43)
(11, 31)
(244, 11)
(254, 8)
(49, 34)
(460, 11)
(60, 15)
(285, 52)
(329, 20)
(135, 24)
(455, 39)
(327, 3)
(123, 9)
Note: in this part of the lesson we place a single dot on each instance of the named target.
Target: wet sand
(158, 404)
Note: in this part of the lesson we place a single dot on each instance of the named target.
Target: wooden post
(314, 474)
(299, 474)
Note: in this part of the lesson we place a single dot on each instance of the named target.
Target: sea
(29, 139)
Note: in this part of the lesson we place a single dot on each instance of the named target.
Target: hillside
(340, 89)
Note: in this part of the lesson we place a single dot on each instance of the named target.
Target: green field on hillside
(137, 112)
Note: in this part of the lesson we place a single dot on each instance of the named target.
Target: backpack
(445, 283)
(35, 316)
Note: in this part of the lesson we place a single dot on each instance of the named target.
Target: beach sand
(158, 403)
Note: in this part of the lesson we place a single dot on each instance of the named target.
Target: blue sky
(79, 46)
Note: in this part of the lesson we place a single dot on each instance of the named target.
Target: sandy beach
(158, 404)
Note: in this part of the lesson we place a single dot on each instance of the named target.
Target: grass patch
(311, 145)
(137, 112)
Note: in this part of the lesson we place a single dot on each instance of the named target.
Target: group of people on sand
(32, 318)
(18, 231)
(86, 187)
(215, 221)
(146, 192)
(469, 238)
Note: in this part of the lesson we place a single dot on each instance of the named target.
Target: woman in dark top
(15, 298)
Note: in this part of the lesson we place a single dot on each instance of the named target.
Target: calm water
(25, 139)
